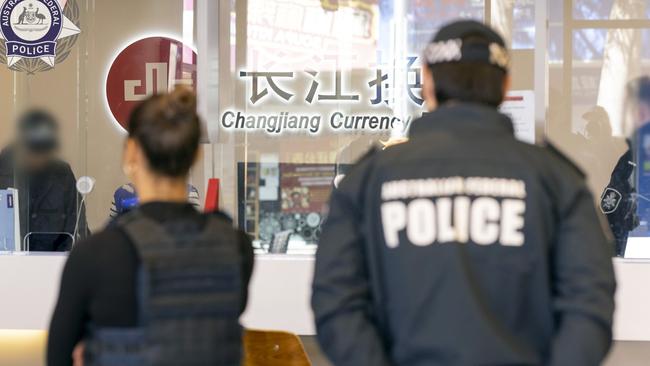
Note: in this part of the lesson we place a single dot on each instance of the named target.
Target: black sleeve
(341, 297)
(67, 325)
(583, 284)
(248, 262)
(619, 204)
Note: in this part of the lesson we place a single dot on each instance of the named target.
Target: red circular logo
(146, 67)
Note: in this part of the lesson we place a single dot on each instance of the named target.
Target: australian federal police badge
(36, 34)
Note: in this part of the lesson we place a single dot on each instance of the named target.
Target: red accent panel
(212, 198)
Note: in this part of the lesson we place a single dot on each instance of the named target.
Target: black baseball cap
(448, 45)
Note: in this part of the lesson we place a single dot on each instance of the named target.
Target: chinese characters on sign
(265, 86)
(378, 83)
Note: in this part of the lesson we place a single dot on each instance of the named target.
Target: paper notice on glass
(269, 177)
(9, 225)
(520, 107)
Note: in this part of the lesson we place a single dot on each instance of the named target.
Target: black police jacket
(464, 246)
(618, 201)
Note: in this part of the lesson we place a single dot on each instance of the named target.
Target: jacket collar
(463, 118)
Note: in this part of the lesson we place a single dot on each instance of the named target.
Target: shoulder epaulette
(560, 155)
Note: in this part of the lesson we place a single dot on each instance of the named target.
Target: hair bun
(181, 102)
(167, 129)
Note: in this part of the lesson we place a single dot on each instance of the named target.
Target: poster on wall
(298, 208)
(35, 35)
(520, 107)
(305, 188)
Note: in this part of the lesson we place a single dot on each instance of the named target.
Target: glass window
(315, 85)
(293, 93)
(105, 57)
(597, 109)
(610, 9)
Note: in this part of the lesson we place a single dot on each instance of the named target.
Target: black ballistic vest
(189, 298)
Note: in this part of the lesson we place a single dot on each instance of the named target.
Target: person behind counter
(125, 198)
(164, 284)
(464, 246)
(47, 193)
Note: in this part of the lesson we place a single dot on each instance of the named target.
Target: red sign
(146, 67)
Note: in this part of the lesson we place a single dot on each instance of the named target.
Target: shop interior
(292, 93)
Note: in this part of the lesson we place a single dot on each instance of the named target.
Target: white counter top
(278, 299)
(279, 294)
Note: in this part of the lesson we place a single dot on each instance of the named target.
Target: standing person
(464, 246)
(48, 196)
(626, 199)
(164, 284)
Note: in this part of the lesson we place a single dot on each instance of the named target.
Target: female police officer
(163, 285)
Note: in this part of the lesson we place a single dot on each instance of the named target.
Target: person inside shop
(49, 204)
(464, 246)
(125, 198)
(164, 284)
(626, 199)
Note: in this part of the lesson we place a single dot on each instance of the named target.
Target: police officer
(626, 199)
(164, 284)
(464, 246)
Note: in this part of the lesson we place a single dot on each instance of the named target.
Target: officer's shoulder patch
(560, 155)
(610, 200)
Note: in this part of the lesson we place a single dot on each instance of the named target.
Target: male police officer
(464, 246)
(626, 199)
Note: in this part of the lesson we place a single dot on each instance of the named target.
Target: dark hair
(38, 131)
(473, 82)
(167, 128)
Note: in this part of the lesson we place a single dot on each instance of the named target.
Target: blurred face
(34, 158)
(35, 162)
(643, 116)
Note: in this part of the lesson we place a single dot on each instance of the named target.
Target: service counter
(279, 295)
(279, 291)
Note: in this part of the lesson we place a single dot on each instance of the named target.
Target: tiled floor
(623, 354)
(629, 354)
